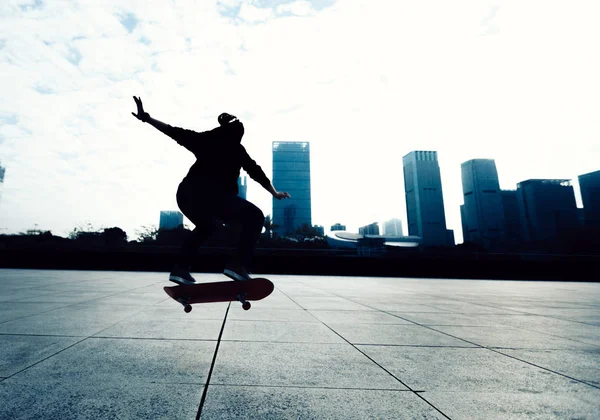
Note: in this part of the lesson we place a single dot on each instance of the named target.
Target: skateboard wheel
(246, 306)
(187, 308)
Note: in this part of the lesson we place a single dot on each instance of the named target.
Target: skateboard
(222, 291)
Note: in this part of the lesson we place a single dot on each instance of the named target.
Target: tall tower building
(589, 185)
(392, 227)
(170, 220)
(548, 210)
(482, 213)
(372, 229)
(424, 200)
(291, 173)
(242, 183)
(512, 219)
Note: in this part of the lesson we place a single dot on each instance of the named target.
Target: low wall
(317, 263)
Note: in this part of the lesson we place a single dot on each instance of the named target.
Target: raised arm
(180, 135)
(256, 173)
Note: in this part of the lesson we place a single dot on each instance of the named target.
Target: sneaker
(236, 272)
(181, 276)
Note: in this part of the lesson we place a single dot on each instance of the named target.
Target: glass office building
(589, 185)
(424, 199)
(242, 183)
(482, 212)
(291, 173)
(170, 220)
(547, 208)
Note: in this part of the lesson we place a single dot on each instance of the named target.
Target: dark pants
(206, 207)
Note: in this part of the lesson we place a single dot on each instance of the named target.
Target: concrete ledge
(317, 263)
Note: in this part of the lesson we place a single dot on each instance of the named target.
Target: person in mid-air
(208, 193)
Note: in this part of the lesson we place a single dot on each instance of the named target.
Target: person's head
(226, 118)
(231, 126)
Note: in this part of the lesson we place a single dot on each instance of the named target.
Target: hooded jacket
(219, 157)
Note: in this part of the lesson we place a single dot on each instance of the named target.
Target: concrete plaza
(112, 345)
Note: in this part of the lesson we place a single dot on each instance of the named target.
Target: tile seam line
(212, 365)
(67, 304)
(418, 394)
(517, 312)
(312, 387)
(487, 348)
(83, 338)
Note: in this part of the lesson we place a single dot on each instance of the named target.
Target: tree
(147, 234)
(269, 226)
(114, 236)
(79, 232)
(307, 231)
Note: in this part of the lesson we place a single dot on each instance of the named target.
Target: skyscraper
(548, 210)
(242, 187)
(512, 219)
(424, 200)
(291, 173)
(392, 227)
(482, 212)
(170, 220)
(372, 229)
(589, 185)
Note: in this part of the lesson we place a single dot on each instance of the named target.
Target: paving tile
(509, 337)
(21, 351)
(165, 329)
(357, 317)
(23, 293)
(402, 335)
(17, 310)
(470, 308)
(298, 364)
(75, 320)
(279, 332)
(169, 309)
(330, 303)
(465, 370)
(580, 403)
(125, 361)
(86, 398)
(68, 296)
(242, 402)
(585, 333)
(583, 365)
(149, 359)
(400, 306)
(270, 314)
(448, 318)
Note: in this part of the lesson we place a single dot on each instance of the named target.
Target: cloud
(129, 21)
(364, 82)
(487, 24)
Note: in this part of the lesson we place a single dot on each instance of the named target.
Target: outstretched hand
(279, 195)
(141, 115)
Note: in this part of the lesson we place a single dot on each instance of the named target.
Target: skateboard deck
(222, 291)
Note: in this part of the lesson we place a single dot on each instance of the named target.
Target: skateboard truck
(186, 305)
(242, 298)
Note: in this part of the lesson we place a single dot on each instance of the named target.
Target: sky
(364, 82)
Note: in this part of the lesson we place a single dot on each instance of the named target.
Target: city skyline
(485, 88)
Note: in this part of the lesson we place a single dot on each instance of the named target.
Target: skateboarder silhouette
(208, 193)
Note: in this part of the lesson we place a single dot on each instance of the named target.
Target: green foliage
(147, 234)
(81, 232)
